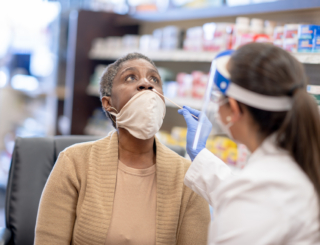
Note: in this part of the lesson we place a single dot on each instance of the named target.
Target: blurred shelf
(163, 55)
(313, 89)
(185, 56)
(226, 11)
(60, 92)
(308, 58)
(93, 91)
(194, 103)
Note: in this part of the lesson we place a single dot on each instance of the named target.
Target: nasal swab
(172, 102)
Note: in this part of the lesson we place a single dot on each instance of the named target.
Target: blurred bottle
(241, 29)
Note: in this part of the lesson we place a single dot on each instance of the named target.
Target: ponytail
(300, 135)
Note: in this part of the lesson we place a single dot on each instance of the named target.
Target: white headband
(250, 98)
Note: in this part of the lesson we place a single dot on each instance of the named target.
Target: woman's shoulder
(82, 151)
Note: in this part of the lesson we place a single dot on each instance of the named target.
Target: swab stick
(172, 102)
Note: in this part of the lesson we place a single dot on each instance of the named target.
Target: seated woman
(126, 188)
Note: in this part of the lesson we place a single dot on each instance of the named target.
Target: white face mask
(142, 115)
(225, 128)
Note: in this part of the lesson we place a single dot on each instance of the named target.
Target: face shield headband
(221, 80)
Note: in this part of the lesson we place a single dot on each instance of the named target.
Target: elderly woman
(126, 188)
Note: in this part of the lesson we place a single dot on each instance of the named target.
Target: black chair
(31, 164)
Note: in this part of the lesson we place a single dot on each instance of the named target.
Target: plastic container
(130, 41)
(269, 27)
(194, 39)
(241, 28)
(171, 38)
(256, 26)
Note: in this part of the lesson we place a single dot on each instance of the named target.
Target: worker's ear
(235, 109)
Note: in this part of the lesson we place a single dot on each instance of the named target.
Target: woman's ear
(235, 109)
(106, 103)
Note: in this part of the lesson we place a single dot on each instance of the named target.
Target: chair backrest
(32, 162)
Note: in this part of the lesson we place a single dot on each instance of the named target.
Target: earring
(228, 118)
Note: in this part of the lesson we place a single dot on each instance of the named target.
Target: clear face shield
(219, 87)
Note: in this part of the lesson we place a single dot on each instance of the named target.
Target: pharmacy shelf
(163, 55)
(185, 56)
(226, 11)
(194, 103)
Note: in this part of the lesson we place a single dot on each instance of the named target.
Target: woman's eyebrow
(128, 69)
(135, 69)
(153, 70)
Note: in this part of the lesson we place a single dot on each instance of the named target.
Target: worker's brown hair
(269, 70)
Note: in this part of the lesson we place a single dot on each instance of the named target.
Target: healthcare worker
(258, 96)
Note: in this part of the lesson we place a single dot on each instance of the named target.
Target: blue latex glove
(192, 125)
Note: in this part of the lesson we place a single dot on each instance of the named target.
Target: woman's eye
(130, 78)
(154, 79)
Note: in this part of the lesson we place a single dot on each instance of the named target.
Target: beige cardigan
(77, 201)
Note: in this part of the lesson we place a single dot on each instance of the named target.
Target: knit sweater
(77, 201)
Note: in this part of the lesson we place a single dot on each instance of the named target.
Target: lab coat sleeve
(205, 174)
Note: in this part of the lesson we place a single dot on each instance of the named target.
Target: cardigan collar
(96, 211)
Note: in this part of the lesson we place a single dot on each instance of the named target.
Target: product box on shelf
(199, 84)
(171, 38)
(305, 45)
(185, 84)
(309, 39)
(278, 36)
(194, 39)
(290, 37)
(291, 31)
(317, 43)
(217, 36)
(308, 31)
(224, 148)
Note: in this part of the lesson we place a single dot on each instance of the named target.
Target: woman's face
(134, 76)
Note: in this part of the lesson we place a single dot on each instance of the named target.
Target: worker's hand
(192, 125)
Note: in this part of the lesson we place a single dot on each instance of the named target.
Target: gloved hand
(192, 125)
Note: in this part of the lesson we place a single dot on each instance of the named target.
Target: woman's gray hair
(111, 71)
(108, 75)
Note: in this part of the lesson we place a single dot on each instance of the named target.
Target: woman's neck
(135, 153)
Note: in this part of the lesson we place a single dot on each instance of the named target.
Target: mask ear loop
(112, 115)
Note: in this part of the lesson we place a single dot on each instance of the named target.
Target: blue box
(305, 45)
(316, 42)
(308, 31)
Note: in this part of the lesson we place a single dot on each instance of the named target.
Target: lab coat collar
(267, 148)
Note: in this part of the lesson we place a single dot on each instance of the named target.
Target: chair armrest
(5, 236)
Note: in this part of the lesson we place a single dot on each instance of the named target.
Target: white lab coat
(270, 202)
